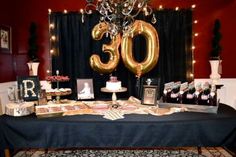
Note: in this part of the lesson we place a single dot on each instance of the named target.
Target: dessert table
(178, 129)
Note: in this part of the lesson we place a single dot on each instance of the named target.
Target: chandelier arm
(126, 14)
(118, 14)
(87, 7)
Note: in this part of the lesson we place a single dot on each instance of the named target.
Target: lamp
(119, 14)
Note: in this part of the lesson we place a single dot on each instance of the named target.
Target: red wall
(6, 59)
(26, 11)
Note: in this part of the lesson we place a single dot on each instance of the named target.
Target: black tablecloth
(178, 129)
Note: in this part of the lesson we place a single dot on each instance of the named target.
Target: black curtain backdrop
(74, 46)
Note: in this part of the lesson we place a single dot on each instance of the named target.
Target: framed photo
(5, 39)
(85, 89)
(153, 81)
(29, 86)
(149, 96)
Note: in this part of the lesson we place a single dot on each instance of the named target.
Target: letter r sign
(28, 87)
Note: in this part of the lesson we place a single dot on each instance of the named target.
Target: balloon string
(138, 87)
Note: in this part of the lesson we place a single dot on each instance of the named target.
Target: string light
(160, 7)
(81, 11)
(53, 37)
(52, 51)
(49, 11)
(191, 75)
(193, 6)
(48, 71)
(65, 11)
(51, 26)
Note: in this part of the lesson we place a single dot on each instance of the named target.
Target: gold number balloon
(112, 48)
(152, 43)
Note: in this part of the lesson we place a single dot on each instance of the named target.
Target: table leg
(199, 150)
(7, 153)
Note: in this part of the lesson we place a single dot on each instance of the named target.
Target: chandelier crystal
(119, 14)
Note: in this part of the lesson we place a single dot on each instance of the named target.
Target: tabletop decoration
(58, 92)
(19, 109)
(104, 108)
(200, 97)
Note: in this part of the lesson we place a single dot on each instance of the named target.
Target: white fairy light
(49, 11)
(193, 6)
(65, 11)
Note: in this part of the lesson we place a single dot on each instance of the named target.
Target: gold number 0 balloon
(114, 56)
(152, 43)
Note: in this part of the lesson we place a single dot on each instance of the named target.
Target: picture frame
(85, 89)
(149, 96)
(5, 39)
(154, 81)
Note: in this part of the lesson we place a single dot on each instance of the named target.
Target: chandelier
(119, 14)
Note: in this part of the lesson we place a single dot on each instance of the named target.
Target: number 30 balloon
(139, 27)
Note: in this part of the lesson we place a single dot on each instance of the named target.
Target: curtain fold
(74, 46)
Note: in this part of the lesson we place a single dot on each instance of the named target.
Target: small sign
(29, 87)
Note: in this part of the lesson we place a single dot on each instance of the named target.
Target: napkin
(113, 115)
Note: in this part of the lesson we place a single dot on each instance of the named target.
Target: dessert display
(113, 84)
(42, 110)
(58, 91)
(61, 109)
(69, 108)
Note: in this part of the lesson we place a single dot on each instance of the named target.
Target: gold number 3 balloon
(139, 27)
(112, 49)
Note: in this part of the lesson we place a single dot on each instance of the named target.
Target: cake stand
(57, 78)
(114, 97)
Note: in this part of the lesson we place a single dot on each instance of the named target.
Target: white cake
(113, 84)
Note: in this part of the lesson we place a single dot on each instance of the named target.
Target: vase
(215, 76)
(33, 68)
